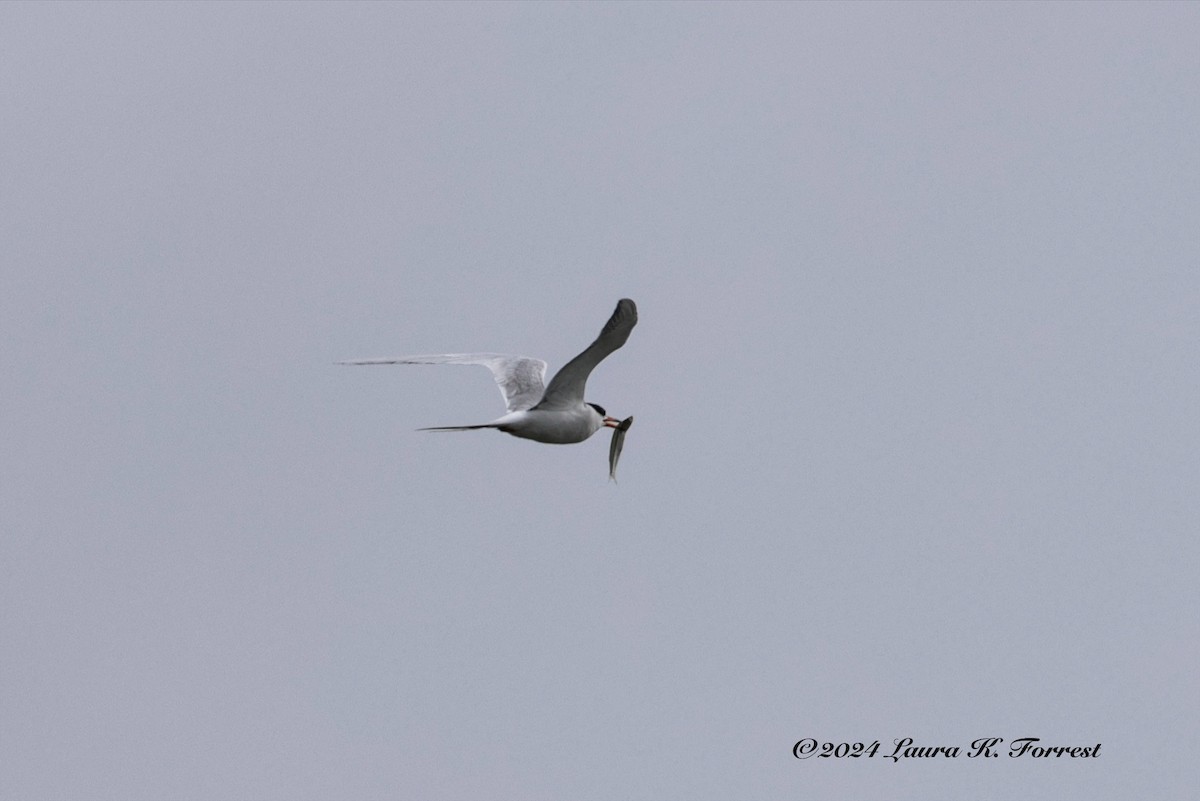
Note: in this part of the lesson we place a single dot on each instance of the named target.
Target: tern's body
(555, 414)
(557, 427)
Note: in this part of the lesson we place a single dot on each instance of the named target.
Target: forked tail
(456, 428)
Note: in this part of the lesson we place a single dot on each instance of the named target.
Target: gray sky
(915, 384)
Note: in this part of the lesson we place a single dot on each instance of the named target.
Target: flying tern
(556, 413)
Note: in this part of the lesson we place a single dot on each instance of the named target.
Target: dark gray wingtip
(624, 316)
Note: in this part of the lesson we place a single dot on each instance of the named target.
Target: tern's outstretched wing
(567, 386)
(519, 377)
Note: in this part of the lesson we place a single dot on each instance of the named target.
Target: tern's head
(605, 420)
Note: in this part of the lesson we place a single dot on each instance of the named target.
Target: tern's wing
(567, 386)
(519, 377)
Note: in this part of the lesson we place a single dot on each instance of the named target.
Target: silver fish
(618, 442)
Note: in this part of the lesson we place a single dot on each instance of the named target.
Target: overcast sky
(915, 386)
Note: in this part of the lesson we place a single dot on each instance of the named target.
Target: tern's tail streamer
(456, 428)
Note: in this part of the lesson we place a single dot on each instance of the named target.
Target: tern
(556, 413)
